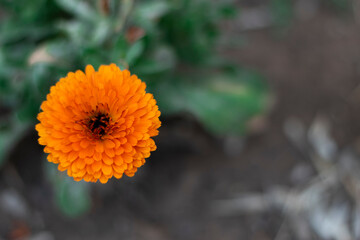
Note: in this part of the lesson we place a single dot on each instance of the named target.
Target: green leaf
(85, 34)
(134, 52)
(125, 9)
(43, 76)
(94, 56)
(30, 105)
(72, 198)
(282, 11)
(191, 30)
(12, 31)
(161, 59)
(61, 49)
(223, 103)
(147, 14)
(39, 11)
(79, 8)
(152, 10)
(40, 77)
(101, 31)
(4, 85)
(120, 48)
(228, 11)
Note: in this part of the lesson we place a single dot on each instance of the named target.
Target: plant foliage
(170, 44)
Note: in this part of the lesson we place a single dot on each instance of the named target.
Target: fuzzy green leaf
(224, 103)
(72, 198)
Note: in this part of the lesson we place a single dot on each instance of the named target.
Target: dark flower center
(98, 124)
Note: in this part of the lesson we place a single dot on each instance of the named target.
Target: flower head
(98, 124)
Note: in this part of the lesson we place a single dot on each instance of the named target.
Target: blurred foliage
(340, 5)
(170, 44)
(282, 11)
(73, 198)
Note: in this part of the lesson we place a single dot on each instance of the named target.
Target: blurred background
(260, 108)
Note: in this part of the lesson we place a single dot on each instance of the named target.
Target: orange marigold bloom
(98, 124)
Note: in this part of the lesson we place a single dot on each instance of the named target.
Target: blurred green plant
(170, 44)
(344, 6)
(282, 12)
(73, 198)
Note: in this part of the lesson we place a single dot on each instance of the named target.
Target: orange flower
(98, 124)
